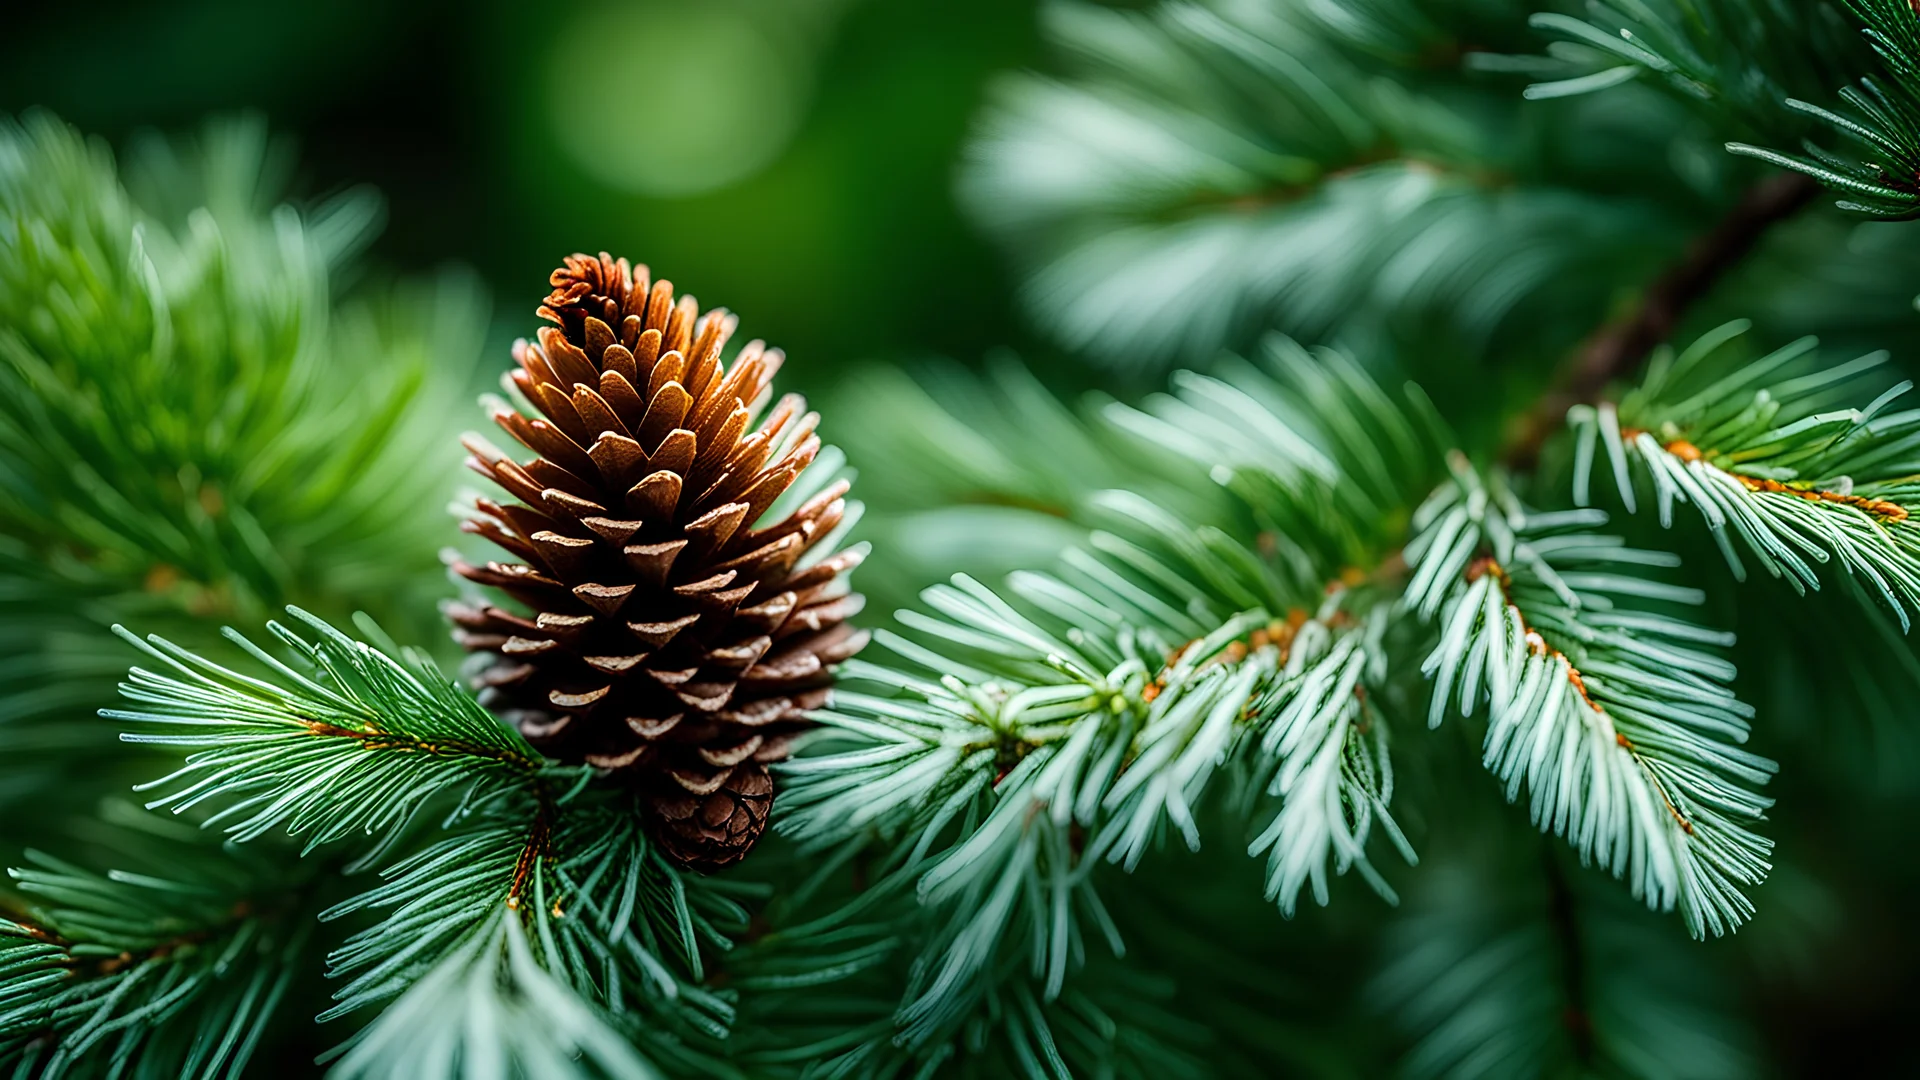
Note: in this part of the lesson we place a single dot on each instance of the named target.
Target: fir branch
(1003, 775)
(358, 746)
(488, 1005)
(1007, 758)
(1732, 59)
(177, 374)
(1325, 752)
(1084, 715)
(1762, 65)
(439, 897)
(608, 920)
(1763, 453)
(1204, 172)
(197, 421)
(1619, 725)
(1004, 476)
(172, 971)
(1886, 122)
(1320, 457)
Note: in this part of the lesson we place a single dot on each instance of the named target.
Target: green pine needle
(1774, 459)
(1613, 716)
(355, 747)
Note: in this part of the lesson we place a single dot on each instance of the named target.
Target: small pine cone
(673, 637)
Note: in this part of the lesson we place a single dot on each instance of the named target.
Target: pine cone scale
(672, 641)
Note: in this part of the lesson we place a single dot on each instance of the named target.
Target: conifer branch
(1023, 739)
(1731, 60)
(197, 422)
(1250, 592)
(1612, 715)
(492, 1001)
(1205, 172)
(178, 966)
(360, 745)
(166, 416)
(1885, 180)
(1771, 454)
(616, 928)
(1762, 67)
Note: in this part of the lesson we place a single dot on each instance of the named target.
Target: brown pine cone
(676, 633)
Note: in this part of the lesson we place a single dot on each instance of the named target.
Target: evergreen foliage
(1135, 779)
(185, 409)
(195, 427)
(1617, 723)
(1756, 452)
(176, 968)
(1751, 59)
(1206, 167)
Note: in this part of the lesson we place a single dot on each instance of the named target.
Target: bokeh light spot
(673, 99)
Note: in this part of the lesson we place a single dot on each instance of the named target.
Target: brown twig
(1890, 513)
(1617, 348)
(1885, 511)
(93, 966)
(537, 846)
(382, 740)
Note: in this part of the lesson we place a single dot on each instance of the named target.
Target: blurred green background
(789, 159)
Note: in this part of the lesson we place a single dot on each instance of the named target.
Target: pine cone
(675, 638)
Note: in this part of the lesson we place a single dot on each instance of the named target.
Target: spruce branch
(1049, 756)
(564, 917)
(489, 1002)
(1763, 66)
(1770, 453)
(1734, 61)
(1615, 717)
(1024, 738)
(1204, 172)
(358, 746)
(439, 897)
(1885, 181)
(174, 968)
(582, 875)
(177, 372)
(199, 420)
(1325, 753)
(614, 931)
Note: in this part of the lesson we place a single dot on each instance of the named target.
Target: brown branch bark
(380, 740)
(1616, 349)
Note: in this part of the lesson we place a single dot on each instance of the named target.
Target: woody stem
(1615, 349)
